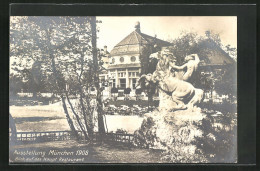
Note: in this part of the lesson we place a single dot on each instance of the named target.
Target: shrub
(218, 144)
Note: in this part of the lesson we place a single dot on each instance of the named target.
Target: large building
(123, 63)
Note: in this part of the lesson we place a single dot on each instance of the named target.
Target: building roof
(132, 43)
(213, 54)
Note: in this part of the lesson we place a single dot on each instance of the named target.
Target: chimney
(137, 27)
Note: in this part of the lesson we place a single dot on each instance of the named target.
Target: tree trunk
(59, 86)
(70, 122)
(89, 129)
(101, 128)
(13, 129)
(77, 118)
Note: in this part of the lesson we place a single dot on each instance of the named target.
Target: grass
(42, 118)
(39, 118)
(130, 103)
(52, 118)
(97, 153)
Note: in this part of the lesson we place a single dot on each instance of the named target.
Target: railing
(114, 137)
(45, 136)
(68, 135)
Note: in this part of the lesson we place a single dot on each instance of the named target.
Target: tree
(232, 52)
(16, 84)
(190, 43)
(12, 130)
(186, 44)
(148, 66)
(97, 70)
(227, 82)
(66, 49)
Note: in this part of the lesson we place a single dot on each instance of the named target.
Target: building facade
(123, 64)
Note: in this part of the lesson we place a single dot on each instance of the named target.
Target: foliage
(174, 150)
(16, 84)
(215, 144)
(61, 50)
(227, 82)
(121, 131)
(148, 66)
(127, 91)
(144, 137)
(209, 79)
(138, 91)
(185, 45)
(114, 90)
(218, 144)
(225, 107)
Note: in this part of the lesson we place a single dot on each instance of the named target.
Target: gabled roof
(213, 54)
(132, 43)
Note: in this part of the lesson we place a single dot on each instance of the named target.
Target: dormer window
(122, 59)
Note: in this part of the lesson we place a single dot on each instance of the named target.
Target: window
(121, 74)
(134, 83)
(122, 59)
(113, 60)
(122, 83)
(113, 83)
(133, 59)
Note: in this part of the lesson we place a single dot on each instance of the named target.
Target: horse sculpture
(174, 93)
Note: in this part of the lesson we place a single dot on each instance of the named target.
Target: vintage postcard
(123, 89)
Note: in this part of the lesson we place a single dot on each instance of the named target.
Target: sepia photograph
(122, 89)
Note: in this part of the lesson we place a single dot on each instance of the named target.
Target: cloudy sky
(114, 29)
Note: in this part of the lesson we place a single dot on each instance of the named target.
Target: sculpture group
(176, 92)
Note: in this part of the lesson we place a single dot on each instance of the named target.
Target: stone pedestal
(172, 132)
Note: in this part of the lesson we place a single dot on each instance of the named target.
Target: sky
(114, 29)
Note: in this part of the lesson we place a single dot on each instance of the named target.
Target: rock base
(172, 132)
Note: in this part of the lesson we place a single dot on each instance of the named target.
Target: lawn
(94, 153)
(39, 118)
(51, 117)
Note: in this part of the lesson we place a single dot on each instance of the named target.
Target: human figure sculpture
(173, 86)
(191, 66)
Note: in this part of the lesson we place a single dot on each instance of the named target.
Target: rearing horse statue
(174, 93)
